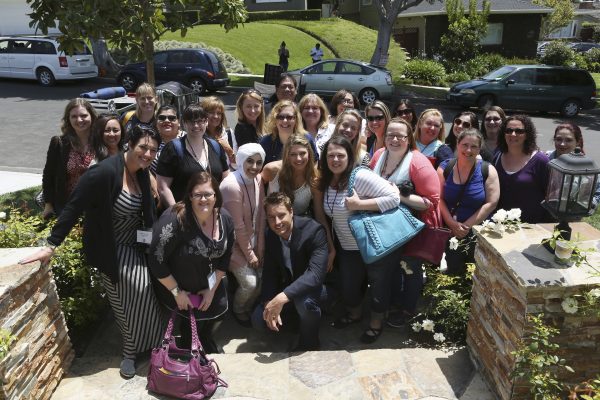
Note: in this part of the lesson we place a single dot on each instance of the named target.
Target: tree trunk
(149, 57)
(383, 42)
(103, 59)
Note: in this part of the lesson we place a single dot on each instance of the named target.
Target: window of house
(494, 34)
(565, 32)
(366, 2)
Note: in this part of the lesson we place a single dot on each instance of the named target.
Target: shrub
(482, 64)
(558, 53)
(297, 15)
(593, 60)
(425, 72)
(521, 61)
(458, 76)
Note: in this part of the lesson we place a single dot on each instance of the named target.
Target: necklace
(132, 179)
(387, 153)
(199, 159)
(200, 225)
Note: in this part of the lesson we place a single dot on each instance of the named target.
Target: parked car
(326, 77)
(529, 87)
(38, 57)
(199, 69)
(584, 47)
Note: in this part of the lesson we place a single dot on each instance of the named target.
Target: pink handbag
(184, 374)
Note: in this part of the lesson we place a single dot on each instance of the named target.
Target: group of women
(209, 182)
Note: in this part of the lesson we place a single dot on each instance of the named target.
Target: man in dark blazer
(294, 269)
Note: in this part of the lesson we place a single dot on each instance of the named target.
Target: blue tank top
(472, 198)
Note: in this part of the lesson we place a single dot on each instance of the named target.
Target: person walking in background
(316, 54)
(284, 54)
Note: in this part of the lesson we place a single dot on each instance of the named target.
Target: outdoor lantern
(571, 185)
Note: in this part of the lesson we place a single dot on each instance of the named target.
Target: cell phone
(195, 299)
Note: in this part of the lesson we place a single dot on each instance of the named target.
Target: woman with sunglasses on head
(348, 125)
(115, 200)
(284, 121)
(167, 125)
(491, 122)
(378, 116)
(405, 110)
(107, 137)
(400, 163)
(250, 112)
(183, 157)
(243, 195)
(217, 127)
(315, 117)
(522, 170)
(430, 133)
(190, 254)
(370, 193)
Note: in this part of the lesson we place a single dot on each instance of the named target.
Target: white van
(38, 57)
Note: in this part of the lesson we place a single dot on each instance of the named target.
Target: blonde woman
(378, 117)
(284, 121)
(348, 124)
(430, 133)
(315, 117)
(217, 127)
(145, 107)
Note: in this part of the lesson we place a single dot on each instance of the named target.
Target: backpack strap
(128, 116)
(216, 146)
(485, 168)
(449, 167)
(178, 144)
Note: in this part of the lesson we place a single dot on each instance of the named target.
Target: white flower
(570, 305)
(514, 214)
(499, 228)
(416, 327)
(453, 243)
(595, 292)
(428, 325)
(439, 337)
(2, 215)
(500, 216)
(405, 267)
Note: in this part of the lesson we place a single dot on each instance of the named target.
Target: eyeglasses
(460, 122)
(199, 121)
(347, 101)
(406, 111)
(518, 131)
(402, 138)
(199, 196)
(249, 91)
(559, 139)
(163, 118)
(493, 119)
(372, 118)
(283, 117)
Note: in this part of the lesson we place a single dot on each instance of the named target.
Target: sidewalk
(14, 181)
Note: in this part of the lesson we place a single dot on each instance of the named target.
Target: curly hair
(530, 144)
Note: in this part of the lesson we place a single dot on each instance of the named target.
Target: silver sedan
(326, 77)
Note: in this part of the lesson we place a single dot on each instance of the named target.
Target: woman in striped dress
(115, 199)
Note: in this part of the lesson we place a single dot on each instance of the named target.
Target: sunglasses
(249, 91)
(163, 118)
(406, 111)
(518, 131)
(460, 122)
(283, 117)
(372, 118)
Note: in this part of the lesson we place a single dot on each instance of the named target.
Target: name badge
(212, 280)
(144, 236)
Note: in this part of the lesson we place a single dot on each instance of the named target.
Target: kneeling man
(294, 267)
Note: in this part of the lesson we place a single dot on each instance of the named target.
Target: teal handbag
(379, 234)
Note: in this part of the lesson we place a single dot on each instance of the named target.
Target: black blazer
(54, 178)
(94, 197)
(308, 253)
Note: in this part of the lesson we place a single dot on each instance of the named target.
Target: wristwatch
(175, 291)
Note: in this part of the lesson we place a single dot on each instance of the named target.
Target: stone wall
(515, 277)
(30, 311)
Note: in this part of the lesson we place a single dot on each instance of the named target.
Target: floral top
(77, 164)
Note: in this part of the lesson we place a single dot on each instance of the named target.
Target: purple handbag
(184, 374)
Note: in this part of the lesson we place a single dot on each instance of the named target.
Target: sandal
(345, 320)
(371, 335)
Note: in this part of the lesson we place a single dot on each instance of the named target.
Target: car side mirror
(510, 82)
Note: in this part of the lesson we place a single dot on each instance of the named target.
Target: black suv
(199, 69)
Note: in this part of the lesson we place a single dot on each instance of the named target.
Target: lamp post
(570, 189)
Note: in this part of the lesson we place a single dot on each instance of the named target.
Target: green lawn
(256, 43)
(596, 77)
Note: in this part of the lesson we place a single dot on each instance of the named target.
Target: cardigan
(54, 178)
(94, 198)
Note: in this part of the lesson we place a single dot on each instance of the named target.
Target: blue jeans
(308, 309)
(407, 288)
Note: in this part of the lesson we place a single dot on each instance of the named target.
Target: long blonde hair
(145, 89)
(356, 144)
(272, 122)
(286, 174)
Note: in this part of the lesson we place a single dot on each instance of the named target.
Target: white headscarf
(245, 151)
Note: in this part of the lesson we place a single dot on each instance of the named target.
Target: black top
(94, 197)
(273, 148)
(244, 133)
(170, 165)
(190, 256)
(308, 255)
(54, 178)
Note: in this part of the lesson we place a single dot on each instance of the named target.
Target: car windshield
(498, 74)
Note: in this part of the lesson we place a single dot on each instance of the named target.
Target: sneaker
(127, 370)
(398, 319)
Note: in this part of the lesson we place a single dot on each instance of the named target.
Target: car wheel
(45, 77)
(129, 82)
(570, 108)
(368, 95)
(485, 101)
(198, 85)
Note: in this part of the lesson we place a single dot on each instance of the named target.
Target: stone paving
(259, 367)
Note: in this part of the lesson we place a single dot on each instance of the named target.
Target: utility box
(272, 73)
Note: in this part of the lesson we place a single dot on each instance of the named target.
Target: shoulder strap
(449, 167)
(352, 178)
(128, 116)
(215, 145)
(178, 144)
(485, 168)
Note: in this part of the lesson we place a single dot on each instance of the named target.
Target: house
(585, 11)
(513, 25)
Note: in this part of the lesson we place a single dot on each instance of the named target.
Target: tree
(387, 11)
(561, 15)
(465, 31)
(133, 25)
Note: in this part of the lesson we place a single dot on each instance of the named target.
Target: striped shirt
(367, 185)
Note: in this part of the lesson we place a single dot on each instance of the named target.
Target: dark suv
(199, 69)
(530, 88)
